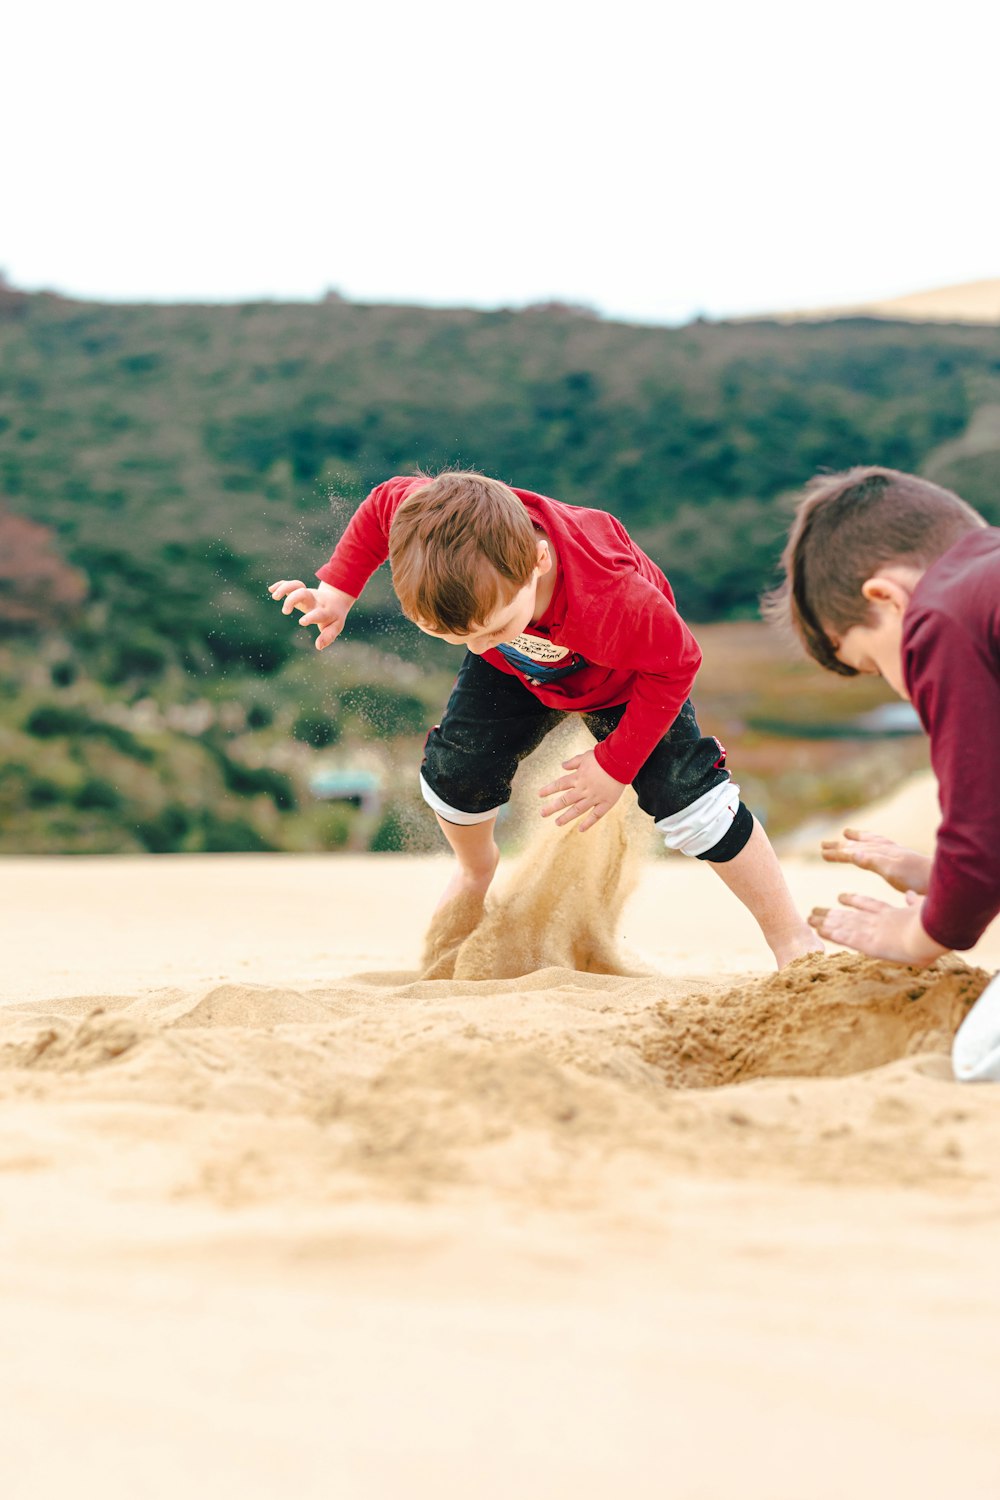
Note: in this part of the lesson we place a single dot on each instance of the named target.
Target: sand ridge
(541, 1088)
(531, 1056)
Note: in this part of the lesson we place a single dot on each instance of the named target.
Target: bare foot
(797, 945)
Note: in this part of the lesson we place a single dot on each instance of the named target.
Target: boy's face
(508, 620)
(876, 647)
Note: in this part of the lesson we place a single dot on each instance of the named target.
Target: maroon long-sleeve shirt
(951, 666)
(611, 629)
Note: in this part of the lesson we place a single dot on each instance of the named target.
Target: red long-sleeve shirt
(951, 666)
(612, 615)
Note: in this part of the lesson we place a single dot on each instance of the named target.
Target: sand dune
(583, 1200)
(967, 302)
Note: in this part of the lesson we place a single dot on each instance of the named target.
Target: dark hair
(846, 527)
(460, 547)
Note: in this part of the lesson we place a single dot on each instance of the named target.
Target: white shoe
(975, 1052)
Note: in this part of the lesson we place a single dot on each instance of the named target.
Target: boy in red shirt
(561, 613)
(887, 573)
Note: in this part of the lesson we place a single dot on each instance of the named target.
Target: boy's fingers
(585, 810)
(861, 903)
(292, 599)
(564, 784)
(564, 809)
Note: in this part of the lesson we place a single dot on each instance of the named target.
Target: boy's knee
(450, 813)
(715, 827)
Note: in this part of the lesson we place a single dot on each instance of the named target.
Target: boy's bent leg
(490, 724)
(685, 787)
(754, 876)
(470, 836)
(474, 847)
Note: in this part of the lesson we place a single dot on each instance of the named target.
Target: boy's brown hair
(846, 527)
(460, 547)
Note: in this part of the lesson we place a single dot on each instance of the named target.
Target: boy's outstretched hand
(324, 607)
(878, 929)
(904, 869)
(587, 792)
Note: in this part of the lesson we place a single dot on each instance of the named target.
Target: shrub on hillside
(318, 730)
(51, 720)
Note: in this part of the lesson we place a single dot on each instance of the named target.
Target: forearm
(959, 906)
(648, 716)
(920, 947)
(364, 545)
(354, 560)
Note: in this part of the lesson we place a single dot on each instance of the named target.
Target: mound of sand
(528, 1052)
(547, 1084)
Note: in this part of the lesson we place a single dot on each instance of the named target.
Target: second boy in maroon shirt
(890, 574)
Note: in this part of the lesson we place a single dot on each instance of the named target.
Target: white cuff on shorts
(975, 1054)
(453, 814)
(697, 828)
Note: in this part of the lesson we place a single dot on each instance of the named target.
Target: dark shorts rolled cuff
(734, 841)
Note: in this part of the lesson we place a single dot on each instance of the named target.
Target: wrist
(600, 755)
(923, 948)
(331, 595)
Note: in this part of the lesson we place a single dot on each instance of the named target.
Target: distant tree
(36, 585)
(13, 303)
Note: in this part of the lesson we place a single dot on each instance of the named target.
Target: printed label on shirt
(541, 660)
(538, 648)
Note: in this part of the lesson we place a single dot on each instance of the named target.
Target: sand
(966, 302)
(603, 1208)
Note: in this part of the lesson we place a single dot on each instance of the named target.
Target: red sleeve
(955, 688)
(364, 545)
(637, 629)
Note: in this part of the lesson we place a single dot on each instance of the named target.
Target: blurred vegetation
(160, 465)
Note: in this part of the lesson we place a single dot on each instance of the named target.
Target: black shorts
(492, 722)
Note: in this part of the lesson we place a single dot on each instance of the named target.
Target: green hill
(172, 460)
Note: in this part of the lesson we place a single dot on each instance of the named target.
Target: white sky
(651, 160)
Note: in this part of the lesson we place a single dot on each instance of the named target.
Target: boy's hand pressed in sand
(878, 929)
(904, 869)
(325, 607)
(587, 792)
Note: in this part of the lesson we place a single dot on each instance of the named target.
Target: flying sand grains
(560, 907)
